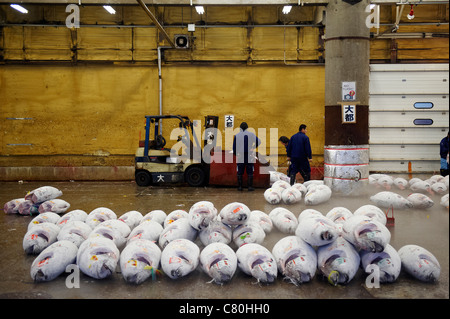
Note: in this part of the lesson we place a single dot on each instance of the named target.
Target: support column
(347, 58)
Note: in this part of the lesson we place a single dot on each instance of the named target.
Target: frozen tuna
(201, 214)
(420, 201)
(385, 182)
(401, 183)
(53, 260)
(114, 230)
(42, 194)
(366, 233)
(281, 185)
(57, 206)
(98, 257)
(317, 195)
(156, 215)
(421, 187)
(257, 261)
(420, 263)
(262, 219)
(40, 237)
(309, 212)
(235, 214)
(272, 195)
(339, 215)
(373, 212)
(175, 215)
(74, 231)
(388, 199)
(317, 231)
(43, 218)
(150, 230)
(338, 261)
(219, 262)
(179, 258)
(132, 218)
(99, 215)
(296, 259)
(181, 228)
(250, 232)
(291, 195)
(439, 188)
(139, 261)
(388, 263)
(301, 188)
(216, 232)
(12, 207)
(27, 207)
(284, 220)
(74, 215)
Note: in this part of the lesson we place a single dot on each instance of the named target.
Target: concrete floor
(429, 228)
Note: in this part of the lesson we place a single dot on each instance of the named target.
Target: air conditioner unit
(181, 41)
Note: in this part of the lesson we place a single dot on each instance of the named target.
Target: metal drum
(346, 168)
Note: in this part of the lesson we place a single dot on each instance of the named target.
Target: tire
(195, 176)
(143, 178)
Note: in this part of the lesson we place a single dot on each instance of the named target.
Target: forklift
(155, 164)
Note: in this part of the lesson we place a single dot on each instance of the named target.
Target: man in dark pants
(444, 153)
(244, 145)
(299, 153)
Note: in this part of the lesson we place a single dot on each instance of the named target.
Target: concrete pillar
(347, 50)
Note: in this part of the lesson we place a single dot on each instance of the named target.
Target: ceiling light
(19, 8)
(287, 9)
(200, 9)
(410, 16)
(110, 9)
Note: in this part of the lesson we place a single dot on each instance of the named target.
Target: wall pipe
(156, 22)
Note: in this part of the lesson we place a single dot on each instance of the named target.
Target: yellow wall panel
(104, 38)
(88, 112)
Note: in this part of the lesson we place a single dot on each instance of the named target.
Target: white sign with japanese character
(229, 121)
(348, 113)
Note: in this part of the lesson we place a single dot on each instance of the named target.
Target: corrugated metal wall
(408, 116)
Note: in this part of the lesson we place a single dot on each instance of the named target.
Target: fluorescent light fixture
(110, 9)
(200, 9)
(19, 8)
(287, 9)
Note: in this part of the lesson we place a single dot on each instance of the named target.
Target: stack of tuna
(41, 200)
(423, 190)
(313, 192)
(145, 246)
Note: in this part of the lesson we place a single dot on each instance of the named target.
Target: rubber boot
(250, 183)
(239, 182)
(292, 181)
(444, 172)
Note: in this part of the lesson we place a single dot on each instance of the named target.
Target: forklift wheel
(195, 176)
(143, 178)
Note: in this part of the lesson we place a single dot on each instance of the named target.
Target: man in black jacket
(244, 145)
(299, 153)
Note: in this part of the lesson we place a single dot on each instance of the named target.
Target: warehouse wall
(93, 115)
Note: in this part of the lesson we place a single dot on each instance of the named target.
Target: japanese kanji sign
(348, 113)
(229, 121)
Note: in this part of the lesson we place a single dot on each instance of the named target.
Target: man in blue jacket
(300, 155)
(244, 146)
(444, 153)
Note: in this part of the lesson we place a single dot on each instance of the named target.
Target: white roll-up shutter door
(408, 116)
